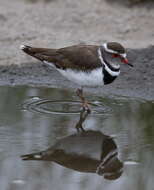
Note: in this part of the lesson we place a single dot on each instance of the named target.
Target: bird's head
(111, 169)
(114, 53)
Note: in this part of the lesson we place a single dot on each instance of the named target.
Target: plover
(86, 65)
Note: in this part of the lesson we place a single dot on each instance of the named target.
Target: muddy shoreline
(136, 82)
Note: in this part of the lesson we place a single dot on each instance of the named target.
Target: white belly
(93, 78)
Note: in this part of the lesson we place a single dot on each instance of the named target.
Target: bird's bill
(131, 65)
(125, 60)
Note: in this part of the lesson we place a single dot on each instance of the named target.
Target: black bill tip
(131, 65)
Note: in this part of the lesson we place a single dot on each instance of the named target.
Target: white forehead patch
(123, 55)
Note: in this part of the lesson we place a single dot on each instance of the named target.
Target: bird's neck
(113, 70)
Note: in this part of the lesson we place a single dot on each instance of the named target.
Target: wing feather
(79, 57)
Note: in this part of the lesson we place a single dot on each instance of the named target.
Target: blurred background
(59, 23)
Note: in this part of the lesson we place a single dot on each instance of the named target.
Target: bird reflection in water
(85, 151)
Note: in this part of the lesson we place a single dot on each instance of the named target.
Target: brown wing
(79, 57)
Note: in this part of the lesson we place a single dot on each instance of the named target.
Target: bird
(85, 65)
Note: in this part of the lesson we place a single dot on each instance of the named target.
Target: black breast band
(107, 77)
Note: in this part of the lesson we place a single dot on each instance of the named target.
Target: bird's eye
(115, 55)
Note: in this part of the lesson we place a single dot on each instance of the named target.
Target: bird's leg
(85, 104)
(83, 116)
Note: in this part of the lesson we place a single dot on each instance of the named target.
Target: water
(35, 119)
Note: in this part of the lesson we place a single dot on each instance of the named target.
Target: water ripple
(45, 106)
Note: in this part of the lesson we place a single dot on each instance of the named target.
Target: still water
(113, 150)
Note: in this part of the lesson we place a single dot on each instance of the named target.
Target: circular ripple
(45, 106)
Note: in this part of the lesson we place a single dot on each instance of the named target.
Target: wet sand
(62, 23)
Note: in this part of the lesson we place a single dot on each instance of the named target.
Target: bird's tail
(43, 54)
(31, 50)
(33, 156)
